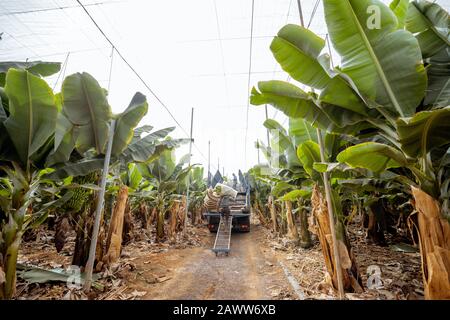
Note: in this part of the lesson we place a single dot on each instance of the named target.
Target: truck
(238, 209)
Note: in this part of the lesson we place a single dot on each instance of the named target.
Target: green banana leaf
(127, 121)
(309, 153)
(286, 97)
(147, 148)
(139, 131)
(3, 114)
(384, 62)
(65, 138)
(79, 168)
(33, 112)
(438, 71)
(281, 141)
(400, 9)
(276, 159)
(134, 176)
(86, 106)
(281, 187)
(296, 194)
(430, 23)
(295, 103)
(38, 68)
(301, 131)
(374, 156)
(296, 49)
(425, 131)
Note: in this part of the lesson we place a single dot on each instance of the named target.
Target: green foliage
(32, 110)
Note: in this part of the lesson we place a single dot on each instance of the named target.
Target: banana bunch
(80, 195)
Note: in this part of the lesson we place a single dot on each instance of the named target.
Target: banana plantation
(337, 185)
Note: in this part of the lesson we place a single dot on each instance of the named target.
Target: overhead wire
(221, 51)
(132, 68)
(139, 76)
(56, 8)
(63, 71)
(110, 68)
(313, 13)
(248, 82)
(276, 64)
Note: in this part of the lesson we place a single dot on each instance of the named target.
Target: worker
(225, 208)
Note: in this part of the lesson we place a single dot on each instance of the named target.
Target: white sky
(189, 56)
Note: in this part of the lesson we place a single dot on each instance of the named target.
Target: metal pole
(327, 38)
(209, 162)
(189, 176)
(258, 156)
(98, 212)
(330, 206)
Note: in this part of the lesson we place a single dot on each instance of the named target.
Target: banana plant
(197, 193)
(37, 129)
(27, 126)
(392, 84)
(167, 183)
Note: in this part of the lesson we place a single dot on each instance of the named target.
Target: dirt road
(250, 271)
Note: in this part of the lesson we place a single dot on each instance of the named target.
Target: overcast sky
(193, 54)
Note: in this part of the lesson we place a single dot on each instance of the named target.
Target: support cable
(138, 75)
(110, 68)
(248, 83)
(63, 71)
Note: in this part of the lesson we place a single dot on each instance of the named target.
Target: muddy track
(250, 271)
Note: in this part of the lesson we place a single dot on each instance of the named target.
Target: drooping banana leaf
(296, 49)
(139, 131)
(38, 68)
(438, 71)
(430, 23)
(80, 168)
(145, 149)
(384, 62)
(373, 156)
(295, 103)
(281, 187)
(127, 121)
(425, 131)
(32, 110)
(65, 138)
(85, 105)
(166, 145)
